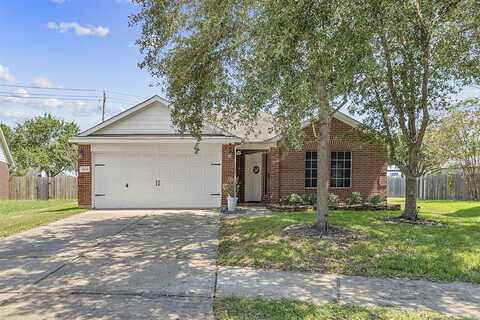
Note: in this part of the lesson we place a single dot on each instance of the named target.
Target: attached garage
(157, 176)
(138, 160)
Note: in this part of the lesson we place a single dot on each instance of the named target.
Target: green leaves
(42, 143)
(422, 53)
(227, 61)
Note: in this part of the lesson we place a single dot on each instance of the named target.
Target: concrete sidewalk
(456, 298)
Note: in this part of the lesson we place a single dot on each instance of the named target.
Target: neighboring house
(137, 160)
(6, 161)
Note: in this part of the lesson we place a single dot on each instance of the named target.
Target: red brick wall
(369, 165)
(228, 167)
(4, 181)
(85, 179)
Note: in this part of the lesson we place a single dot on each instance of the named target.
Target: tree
(456, 138)
(227, 61)
(423, 51)
(42, 143)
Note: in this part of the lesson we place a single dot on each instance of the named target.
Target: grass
(18, 216)
(446, 253)
(257, 309)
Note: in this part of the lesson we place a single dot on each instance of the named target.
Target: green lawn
(17, 216)
(448, 252)
(258, 309)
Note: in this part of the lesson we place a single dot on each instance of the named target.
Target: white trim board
(6, 149)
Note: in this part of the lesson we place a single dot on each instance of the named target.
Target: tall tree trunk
(323, 171)
(323, 159)
(410, 211)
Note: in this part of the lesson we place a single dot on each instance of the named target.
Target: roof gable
(151, 117)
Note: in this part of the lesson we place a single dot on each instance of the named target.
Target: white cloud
(5, 74)
(42, 82)
(22, 93)
(79, 30)
(58, 1)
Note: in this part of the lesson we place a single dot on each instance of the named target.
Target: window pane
(340, 164)
(308, 156)
(314, 183)
(333, 155)
(308, 173)
(348, 183)
(333, 183)
(307, 183)
(346, 173)
(348, 155)
(314, 164)
(348, 164)
(314, 173)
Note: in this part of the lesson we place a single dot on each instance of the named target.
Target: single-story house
(137, 159)
(6, 161)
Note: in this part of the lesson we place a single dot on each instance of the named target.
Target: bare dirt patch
(342, 237)
(421, 222)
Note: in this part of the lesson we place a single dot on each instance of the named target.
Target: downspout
(235, 170)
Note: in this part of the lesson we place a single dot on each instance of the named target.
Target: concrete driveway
(132, 264)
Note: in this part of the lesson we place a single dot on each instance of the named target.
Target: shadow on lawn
(467, 213)
(447, 252)
(112, 265)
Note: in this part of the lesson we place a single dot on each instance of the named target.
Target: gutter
(90, 140)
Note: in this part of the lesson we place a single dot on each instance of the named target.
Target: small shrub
(228, 188)
(355, 198)
(291, 200)
(309, 199)
(377, 199)
(333, 199)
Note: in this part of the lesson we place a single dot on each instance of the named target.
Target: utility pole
(103, 105)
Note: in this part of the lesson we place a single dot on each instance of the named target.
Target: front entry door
(253, 177)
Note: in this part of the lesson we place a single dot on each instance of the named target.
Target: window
(311, 169)
(340, 169)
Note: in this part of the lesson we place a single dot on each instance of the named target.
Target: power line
(47, 88)
(125, 94)
(47, 95)
(58, 98)
(71, 89)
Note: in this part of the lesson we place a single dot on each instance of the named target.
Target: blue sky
(72, 44)
(69, 44)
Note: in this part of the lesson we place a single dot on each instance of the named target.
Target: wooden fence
(43, 188)
(435, 187)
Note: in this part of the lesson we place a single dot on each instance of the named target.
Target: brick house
(6, 161)
(137, 160)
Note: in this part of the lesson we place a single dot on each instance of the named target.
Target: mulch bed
(352, 207)
(342, 237)
(421, 222)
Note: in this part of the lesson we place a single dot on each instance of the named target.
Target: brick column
(228, 160)
(4, 181)
(275, 175)
(85, 178)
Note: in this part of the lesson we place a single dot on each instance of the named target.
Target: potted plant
(229, 190)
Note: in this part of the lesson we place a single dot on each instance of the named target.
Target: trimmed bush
(333, 199)
(291, 200)
(377, 199)
(309, 199)
(355, 198)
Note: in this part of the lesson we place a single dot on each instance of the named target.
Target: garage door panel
(157, 180)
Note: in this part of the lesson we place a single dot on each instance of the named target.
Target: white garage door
(174, 179)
